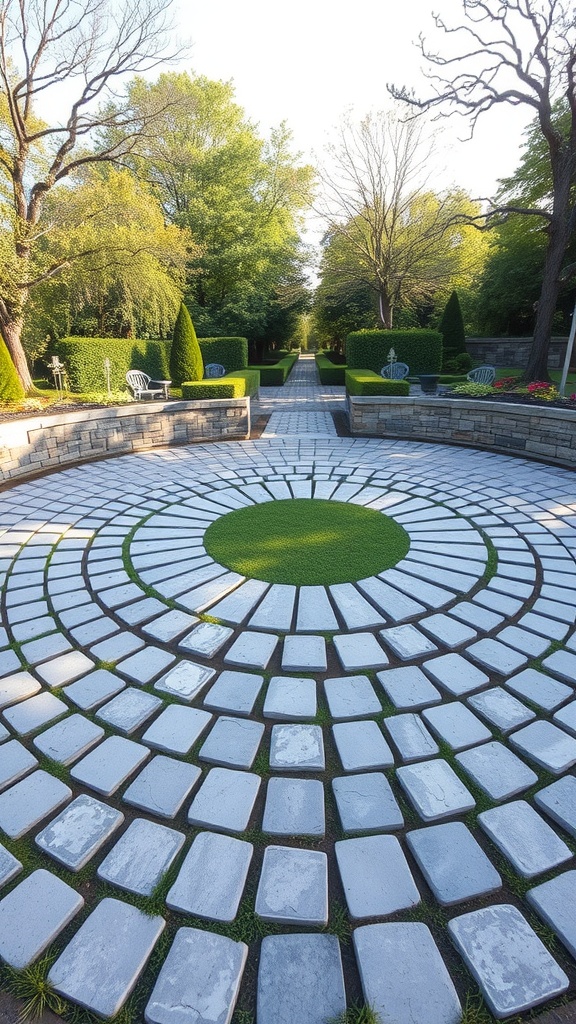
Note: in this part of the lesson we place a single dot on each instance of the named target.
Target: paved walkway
(376, 776)
(302, 406)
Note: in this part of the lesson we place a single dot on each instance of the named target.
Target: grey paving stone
(566, 718)
(237, 606)
(456, 725)
(554, 610)
(167, 627)
(162, 786)
(252, 650)
(366, 803)
(555, 903)
(68, 740)
(497, 770)
(408, 687)
(361, 745)
(543, 625)
(10, 867)
(522, 640)
(403, 974)
(546, 745)
(17, 687)
(511, 965)
(293, 887)
(410, 737)
(539, 689)
(455, 674)
(476, 616)
(199, 981)
(562, 664)
(102, 963)
(351, 697)
(110, 764)
(90, 691)
(496, 657)
(300, 979)
(315, 611)
(39, 650)
(141, 857)
(359, 651)
(558, 801)
(79, 831)
(29, 801)
(499, 708)
(145, 665)
(295, 748)
(225, 800)
(206, 639)
(275, 611)
(64, 669)
(524, 838)
(25, 933)
(9, 662)
(15, 762)
(304, 653)
(294, 807)
(211, 880)
(454, 865)
(407, 642)
(289, 698)
(434, 790)
(391, 602)
(116, 647)
(375, 876)
(129, 710)
(507, 606)
(177, 729)
(141, 611)
(35, 712)
(234, 691)
(355, 610)
(232, 742)
(446, 630)
(185, 681)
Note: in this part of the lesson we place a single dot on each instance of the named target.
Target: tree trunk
(385, 309)
(11, 330)
(537, 367)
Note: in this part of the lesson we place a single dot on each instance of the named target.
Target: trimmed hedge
(232, 353)
(233, 385)
(329, 372)
(275, 376)
(84, 361)
(366, 382)
(421, 350)
(185, 355)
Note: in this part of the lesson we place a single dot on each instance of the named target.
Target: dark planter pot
(429, 383)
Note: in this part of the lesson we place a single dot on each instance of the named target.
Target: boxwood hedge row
(366, 382)
(84, 361)
(421, 350)
(330, 373)
(232, 353)
(233, 385)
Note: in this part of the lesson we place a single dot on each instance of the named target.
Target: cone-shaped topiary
(185, 355)
(11, 389)
(451, 327)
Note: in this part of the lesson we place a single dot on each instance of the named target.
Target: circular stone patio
(287, 798)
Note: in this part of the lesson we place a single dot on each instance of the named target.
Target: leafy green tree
(451, 327)
(11, 389)
(185, 355)
(522, 54)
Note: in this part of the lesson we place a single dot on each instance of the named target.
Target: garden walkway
(302, 406)
(319, 795)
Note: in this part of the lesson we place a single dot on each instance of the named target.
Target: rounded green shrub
(185, 356)
(11, 389)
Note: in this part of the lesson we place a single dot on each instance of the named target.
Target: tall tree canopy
(519, 52)
(88, 46)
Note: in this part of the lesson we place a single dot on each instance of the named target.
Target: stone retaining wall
(549, 434)
(513, 351)
(28, 446)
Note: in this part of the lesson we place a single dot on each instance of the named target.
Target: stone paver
(293, 887)
(141, 857)
(375, 876)
(233, 742)
(211, 880)
(24, 932)
(554, 902)
(385, 655)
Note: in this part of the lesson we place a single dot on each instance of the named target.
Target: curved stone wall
(30, 445)
(537, 432)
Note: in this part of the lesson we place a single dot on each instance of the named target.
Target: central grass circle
(306, 541)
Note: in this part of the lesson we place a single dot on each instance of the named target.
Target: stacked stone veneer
(513, 351)
(28, 446)
(519, 429)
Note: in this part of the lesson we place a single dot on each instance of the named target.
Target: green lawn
(306, 541)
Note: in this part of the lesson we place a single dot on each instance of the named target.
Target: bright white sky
(308, 61)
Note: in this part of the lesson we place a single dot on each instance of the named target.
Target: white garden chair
(140, 382)
(395, 371)
(482, 375)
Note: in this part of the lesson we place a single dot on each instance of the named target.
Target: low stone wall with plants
(538, 432)
(31, 445)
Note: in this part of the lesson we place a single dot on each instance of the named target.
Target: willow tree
(61, 56)
(518, 53)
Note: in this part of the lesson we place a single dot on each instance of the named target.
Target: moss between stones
(306, 541)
